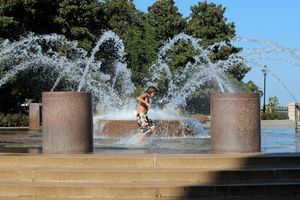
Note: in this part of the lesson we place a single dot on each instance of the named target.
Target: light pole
(264, 71)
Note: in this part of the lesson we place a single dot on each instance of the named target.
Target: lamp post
(264, 71)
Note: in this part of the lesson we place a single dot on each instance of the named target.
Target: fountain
(76, 68)
(180, 86)
(111, 89)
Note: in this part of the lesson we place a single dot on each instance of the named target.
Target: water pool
(273, 140)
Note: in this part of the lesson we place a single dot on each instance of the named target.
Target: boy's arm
(142, 97)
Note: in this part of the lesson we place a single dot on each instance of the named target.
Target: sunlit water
(272, 141)
(280, 140)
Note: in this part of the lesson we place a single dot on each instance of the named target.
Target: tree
(81, 20)
(272, 105)
(20, 16)
(122, 16)
(251, 86)
(271, 108)
(141, 50)
(163, 15)
(208, 23)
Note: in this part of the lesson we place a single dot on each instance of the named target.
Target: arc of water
(276, 77)
(44, 51)
(272, 47)
(21, 67)
(30, 53)
(105, 37)
(14, 71)
(176, 88)
(284, 85)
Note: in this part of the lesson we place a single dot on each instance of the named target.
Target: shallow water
(272, 141)
(280, 140)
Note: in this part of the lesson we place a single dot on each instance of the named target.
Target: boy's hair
(152, 89)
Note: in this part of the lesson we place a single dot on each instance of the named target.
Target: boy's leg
(146, 132)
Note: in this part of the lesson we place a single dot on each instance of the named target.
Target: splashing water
(71, 63)
(183, 84)
(260, 51)
(75, 65)
(194, 76)
(112, 88)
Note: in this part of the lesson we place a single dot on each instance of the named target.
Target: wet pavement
(273, 140)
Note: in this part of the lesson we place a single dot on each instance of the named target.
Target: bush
(1, 118)
(13, 120)
(273, 115)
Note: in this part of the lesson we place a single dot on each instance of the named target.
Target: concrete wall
(294, 114)
(35, 116)
(291, 111)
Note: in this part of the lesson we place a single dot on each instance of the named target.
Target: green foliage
(272, 105)
(163, 15)
(269, 116)
(180, 55)
(81, 20)
(141, 51)
(20, 16)
(238, 71)
(250, 87)
(208, 23)
(13, 120)
(122, 16)
(7, 25)
(271, 112)
(273, 116)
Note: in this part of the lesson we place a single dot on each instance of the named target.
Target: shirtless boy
(146, 125)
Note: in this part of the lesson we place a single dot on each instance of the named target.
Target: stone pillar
(35, 116)
(235, 125)
(292, 111)
(67, 122)
(297, 117)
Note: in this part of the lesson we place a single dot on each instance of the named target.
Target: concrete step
(227, 161)
(150, 176)
(162, 161)
(158, 198)
(203, 176)
(76, 160)
(149, 190)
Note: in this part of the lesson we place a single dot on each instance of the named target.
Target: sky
(263, 20)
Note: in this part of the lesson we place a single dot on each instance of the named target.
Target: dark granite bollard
(235, 125)
(34, 116)
(67, 122)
